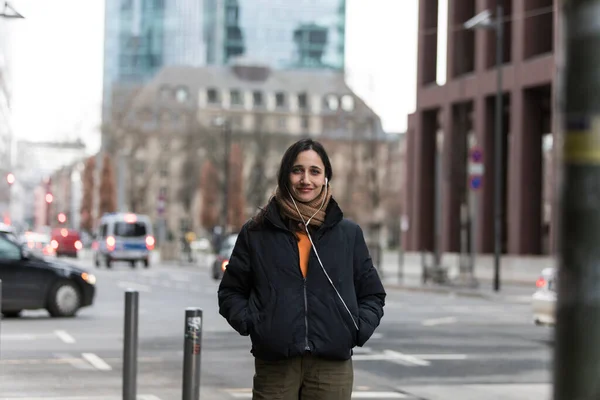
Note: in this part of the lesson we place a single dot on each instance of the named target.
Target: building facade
(142, 36)
(184, 114)
(36, 162)
(453, 117)
(280, 34)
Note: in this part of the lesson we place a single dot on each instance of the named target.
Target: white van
(123, 237)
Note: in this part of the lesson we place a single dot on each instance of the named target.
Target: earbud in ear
(326, 181)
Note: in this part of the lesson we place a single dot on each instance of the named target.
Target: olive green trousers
(303, 378)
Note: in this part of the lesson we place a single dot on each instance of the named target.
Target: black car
(30, 282)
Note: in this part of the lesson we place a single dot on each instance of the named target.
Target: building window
(236, 98)
(139, 167)
(347, 103)
(304, 122)
(165, 143)
(164, 169)
(182, 95)
(213, 96)
(162, 192)
(164, 92)
(282, 123)
(257, 99)
(280, 100)
(302, 101)
(332, 102)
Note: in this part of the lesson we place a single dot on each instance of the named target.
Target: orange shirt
(304, 250)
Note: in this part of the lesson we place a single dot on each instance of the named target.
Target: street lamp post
(484, 20)
(226, 131)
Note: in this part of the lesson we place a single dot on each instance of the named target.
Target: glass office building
(280, 33)
(142, 36)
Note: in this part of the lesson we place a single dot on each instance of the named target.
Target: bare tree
(236, 199)
(209, 216)
(108, 193)
(87, 197)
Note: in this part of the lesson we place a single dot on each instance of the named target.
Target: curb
(455, 291)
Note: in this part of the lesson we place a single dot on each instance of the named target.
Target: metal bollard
(1, 315)
(191, 353)
(130, 345)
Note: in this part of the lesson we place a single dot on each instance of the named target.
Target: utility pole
(226, 150)
(577, 352)
(484, 20)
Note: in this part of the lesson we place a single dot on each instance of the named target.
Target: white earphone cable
(317, 253)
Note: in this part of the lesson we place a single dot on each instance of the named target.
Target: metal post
(437, 251)
(130, 345)
(226, 145)
(498, 192)
(577, 352)
(191, 353)
(1, 315)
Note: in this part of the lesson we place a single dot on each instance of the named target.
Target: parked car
(65, 242)
(223, 256)
(31, 282)
(544, 299)
(38, 242)
(8, 231)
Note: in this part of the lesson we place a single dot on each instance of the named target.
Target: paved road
(429, 346)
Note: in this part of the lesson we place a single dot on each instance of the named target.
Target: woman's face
(307, 177)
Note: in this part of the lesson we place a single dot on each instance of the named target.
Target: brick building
(450, 118)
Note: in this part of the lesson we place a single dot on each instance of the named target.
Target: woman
(304, 309)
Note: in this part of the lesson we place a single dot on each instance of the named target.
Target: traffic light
(49, 198)
(10, 178)
(62, 218)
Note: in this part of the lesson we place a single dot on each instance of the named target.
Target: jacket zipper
(306, 346)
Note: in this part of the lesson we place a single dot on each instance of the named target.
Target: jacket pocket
(258, 312)
(347, 321)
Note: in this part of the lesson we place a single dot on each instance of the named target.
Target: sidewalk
(516, 286)
(506, 391)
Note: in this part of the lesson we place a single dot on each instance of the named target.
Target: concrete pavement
(429, 345)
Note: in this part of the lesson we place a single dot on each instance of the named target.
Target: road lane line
(134, 286)
(441, 357)
(64, 336)
(405, 358)
(18, 337)
(96, 361)
(439, 321)
(77, 363)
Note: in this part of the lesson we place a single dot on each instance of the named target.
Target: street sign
(476, 168)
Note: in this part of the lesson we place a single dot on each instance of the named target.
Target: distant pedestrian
(302, 284)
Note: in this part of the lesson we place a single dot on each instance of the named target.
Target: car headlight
(89, 278)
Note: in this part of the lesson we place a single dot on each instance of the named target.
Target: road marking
(18, 337)
(66, 360)
(64, 336)
(441, 357)
(362, 350)
(139, 397)
(96, 361)
(77, 363)
(439, 321)
(247, 394)
(393, 356)
(134, 286)
(405, 358)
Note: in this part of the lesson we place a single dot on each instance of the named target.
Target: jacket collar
(333, 215)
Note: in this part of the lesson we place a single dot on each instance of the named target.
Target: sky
(57, 59)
